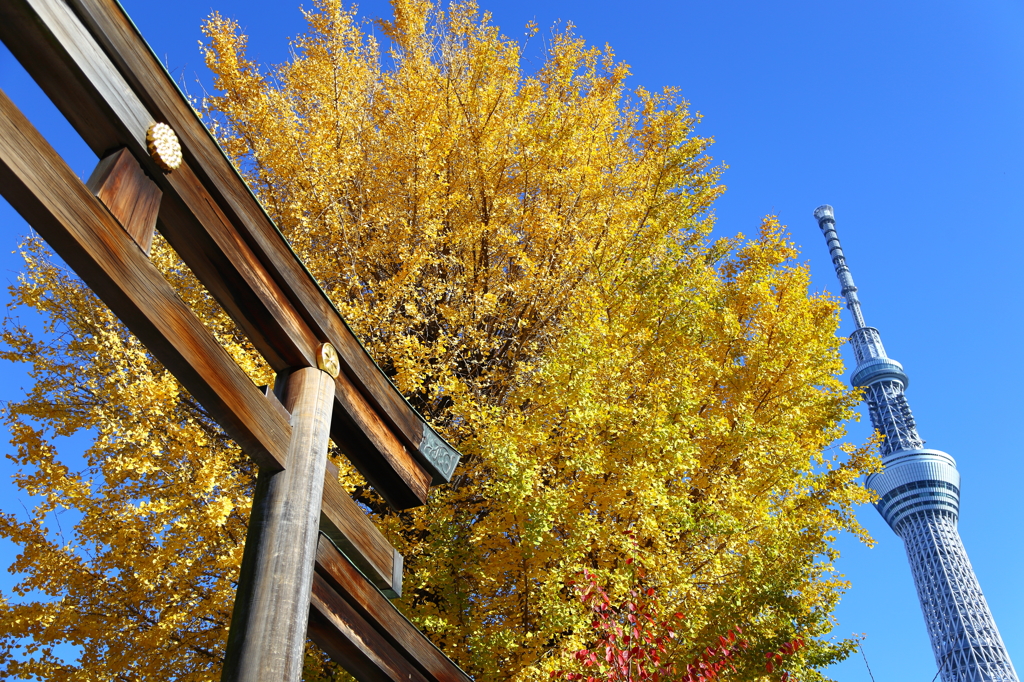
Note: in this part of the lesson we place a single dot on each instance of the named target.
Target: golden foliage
(528, 256)
(139, 578)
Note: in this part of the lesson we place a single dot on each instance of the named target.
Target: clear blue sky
(909, 119)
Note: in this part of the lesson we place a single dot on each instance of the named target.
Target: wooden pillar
(268, 625)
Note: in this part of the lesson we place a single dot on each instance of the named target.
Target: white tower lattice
(919, 497)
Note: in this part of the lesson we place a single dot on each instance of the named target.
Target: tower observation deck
(919, 497)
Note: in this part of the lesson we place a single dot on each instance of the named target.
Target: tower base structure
(963, 633)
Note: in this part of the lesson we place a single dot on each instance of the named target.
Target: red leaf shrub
(633, 642)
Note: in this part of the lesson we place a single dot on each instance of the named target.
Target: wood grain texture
(51, 198)
(131, 196)
(348, 527)
(350, 530)
(157, 94)
(127, 49)
(207, 231)
(358, 429)
(269, 620)
(350, 640)
(342, 577)
(115, 32)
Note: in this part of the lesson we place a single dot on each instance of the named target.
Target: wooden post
(134, 199)
(268, 626)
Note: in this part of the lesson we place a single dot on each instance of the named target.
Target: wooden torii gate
(313, 564)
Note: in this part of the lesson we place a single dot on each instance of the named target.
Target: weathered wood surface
(350, 640)
(345, 523)
(348, 527)
(104, 78)
(346, 605)
(269, 621)
(358, 431)
(41, 187)
(133, 198)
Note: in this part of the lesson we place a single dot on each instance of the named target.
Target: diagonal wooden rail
(50, 196)
(82, 231)
(91, 61)
(343, 601)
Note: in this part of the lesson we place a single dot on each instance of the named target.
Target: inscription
(439, 454)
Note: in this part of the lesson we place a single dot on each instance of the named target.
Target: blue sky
(909, 119)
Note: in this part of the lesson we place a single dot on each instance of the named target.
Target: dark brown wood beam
(374, 449)
(143, 70)
(51, 198)
(242, 259)
(348, 639)
(348, 527)
(99, 52)
(339, 588)
(132, 197)
(345, 523)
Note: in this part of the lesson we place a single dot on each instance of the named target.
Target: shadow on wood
(88, 57)
(51, 198)
(358, 627)
(134, 199)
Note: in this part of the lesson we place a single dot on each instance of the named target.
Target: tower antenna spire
(827, 223)
(919, 497)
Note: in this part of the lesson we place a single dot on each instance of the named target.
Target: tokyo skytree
(919, 497)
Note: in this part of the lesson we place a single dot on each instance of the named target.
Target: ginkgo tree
(528, 255)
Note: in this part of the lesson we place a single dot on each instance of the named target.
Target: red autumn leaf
(633, 654)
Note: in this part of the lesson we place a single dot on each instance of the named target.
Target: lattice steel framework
(919, 497)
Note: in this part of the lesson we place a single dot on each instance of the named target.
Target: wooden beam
(271, 612)
(51, 198)
(348, 639)
(361, 598)
(358, 430)
(132, 198)
(108, 83)
(221, 232)
(348, 527)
